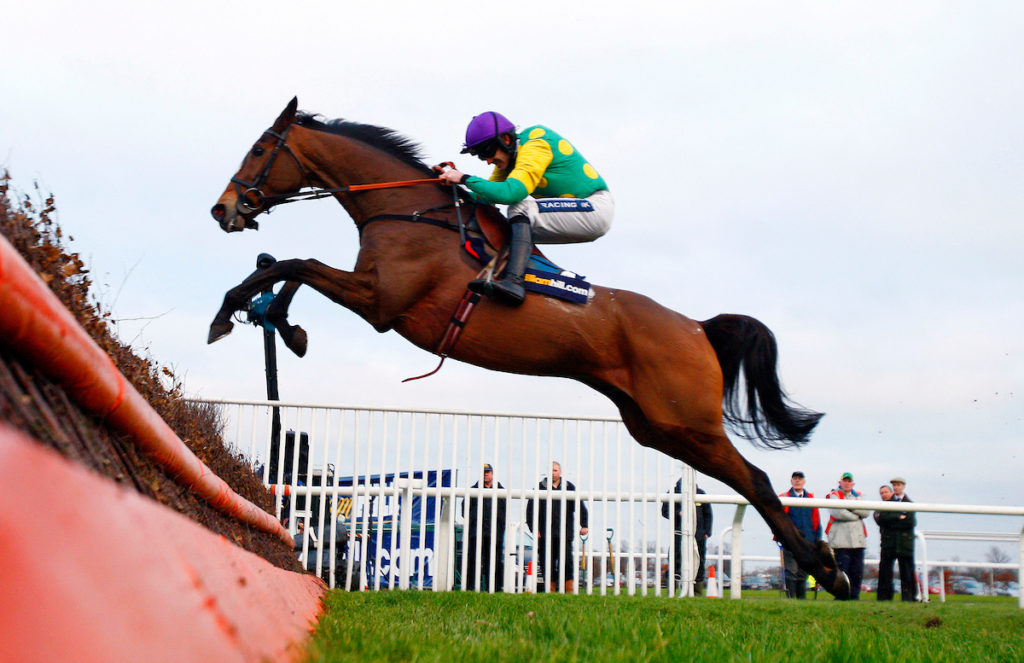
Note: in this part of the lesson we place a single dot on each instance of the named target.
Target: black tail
(770, 418)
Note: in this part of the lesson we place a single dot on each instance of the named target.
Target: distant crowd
(847, 536)
(846, 532)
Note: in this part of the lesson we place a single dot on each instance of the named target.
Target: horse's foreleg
(294, 336)
(353, 290)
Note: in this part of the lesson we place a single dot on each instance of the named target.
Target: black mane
(382, 138)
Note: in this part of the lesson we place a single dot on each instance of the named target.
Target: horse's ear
(287, 116)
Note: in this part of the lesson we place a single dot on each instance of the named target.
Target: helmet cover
(486, 126)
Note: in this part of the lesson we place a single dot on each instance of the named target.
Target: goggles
(485, 150)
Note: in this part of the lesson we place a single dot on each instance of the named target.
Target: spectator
(339, 548)
(562, 532)
(896, 530)
(808, 522)
(848, 535)
(702, 530)
(488, 548)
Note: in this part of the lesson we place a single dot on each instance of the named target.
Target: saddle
(487, 235)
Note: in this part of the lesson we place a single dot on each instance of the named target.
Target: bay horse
(676, 381)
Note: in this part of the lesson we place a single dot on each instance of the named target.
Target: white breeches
(567, 220)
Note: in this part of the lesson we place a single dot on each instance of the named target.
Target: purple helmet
(486, 127)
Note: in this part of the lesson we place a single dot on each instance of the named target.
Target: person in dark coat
(340, 548)
(559, 547)
(481, 511)
(896, 530)
(808, 522)
(702, 530)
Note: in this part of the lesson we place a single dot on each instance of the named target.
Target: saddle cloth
(542, 275)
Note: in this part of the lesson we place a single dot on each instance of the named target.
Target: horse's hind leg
(716, 456)
(294, 336)
(713, 454)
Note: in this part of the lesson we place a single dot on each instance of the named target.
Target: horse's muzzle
(233, 222)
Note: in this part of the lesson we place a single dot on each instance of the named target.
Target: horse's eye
(258, 151)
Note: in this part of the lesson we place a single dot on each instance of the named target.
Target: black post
(263, 261)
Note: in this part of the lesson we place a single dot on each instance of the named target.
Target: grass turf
(456, 626)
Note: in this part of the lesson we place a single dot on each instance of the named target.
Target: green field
(461, 627)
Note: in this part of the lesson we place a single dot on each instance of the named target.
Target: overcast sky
(848, 173)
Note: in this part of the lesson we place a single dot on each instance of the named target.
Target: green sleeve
(509, 192)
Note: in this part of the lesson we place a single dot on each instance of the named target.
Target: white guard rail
(398, 481)
(736, 557)
(378, 472)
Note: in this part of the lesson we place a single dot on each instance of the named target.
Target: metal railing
(380, 472)
(399, 481)
(736, 557)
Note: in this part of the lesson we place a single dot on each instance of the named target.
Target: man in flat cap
(897, 533)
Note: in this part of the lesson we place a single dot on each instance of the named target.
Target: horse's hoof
(834, 580)
(219, 330)
(841, 586)
(296, 341)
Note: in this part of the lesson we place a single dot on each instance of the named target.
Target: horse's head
(261, 177)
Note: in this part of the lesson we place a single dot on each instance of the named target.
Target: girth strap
(451, 335)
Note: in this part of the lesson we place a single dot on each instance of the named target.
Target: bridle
(250, 191)
(252, 201)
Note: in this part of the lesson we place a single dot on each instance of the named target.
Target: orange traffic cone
(712, 583)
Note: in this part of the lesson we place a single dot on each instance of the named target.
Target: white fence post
(1020, 572)
(444, 544)
(736, 565)
(689, 527)
(924, 568)
(405, 530)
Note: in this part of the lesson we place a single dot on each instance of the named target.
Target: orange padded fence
(90, 571)
(35, 324)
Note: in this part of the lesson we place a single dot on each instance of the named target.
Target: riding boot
(510, 289)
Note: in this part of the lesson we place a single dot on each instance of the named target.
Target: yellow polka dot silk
(568, 175)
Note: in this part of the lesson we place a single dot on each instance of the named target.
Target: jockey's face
(501, 159)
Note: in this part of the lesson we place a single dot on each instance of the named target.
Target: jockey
(554, 195)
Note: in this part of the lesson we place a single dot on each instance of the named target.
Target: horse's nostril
(218, 211)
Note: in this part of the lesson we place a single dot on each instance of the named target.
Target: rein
(273, 201)
(251, 198)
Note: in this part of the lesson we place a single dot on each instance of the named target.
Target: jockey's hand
(583, 531)
(451, 176)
